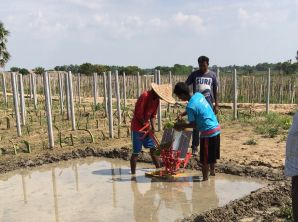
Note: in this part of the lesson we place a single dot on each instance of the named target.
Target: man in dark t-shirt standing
(205, 82)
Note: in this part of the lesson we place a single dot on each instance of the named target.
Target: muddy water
(103, 190)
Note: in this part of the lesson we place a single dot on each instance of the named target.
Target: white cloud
(89, 4)
(194, 22)
(261, 18)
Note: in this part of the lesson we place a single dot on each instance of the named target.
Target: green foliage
(87, 69)
(39, 70)
(273, 124)
(4, 54)
(177, 69)
(286, 213)
(23, 71)
(251, 141)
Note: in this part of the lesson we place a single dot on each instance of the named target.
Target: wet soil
(261, 205)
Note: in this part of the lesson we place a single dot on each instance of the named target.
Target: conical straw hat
(164, 91)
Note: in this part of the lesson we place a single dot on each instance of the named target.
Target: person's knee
(134, 156)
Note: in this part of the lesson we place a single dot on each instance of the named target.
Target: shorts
(137, 142)
(210, 149)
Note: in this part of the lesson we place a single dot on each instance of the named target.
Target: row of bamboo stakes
(73, 89)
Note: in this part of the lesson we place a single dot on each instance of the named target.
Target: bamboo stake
(48, 110)
(124, 90)
(16, 103)
(67, 96)
(95, 88)
(118, 99)
(110, 105)
(159, 107)
(34, 90)
(235, 94)
(105, 93)
(79, 88)
(60, 93)
(72, 112)
(22, 100)
(268, 91)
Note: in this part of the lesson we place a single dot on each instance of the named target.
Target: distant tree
(39, 70)
(101, 68)
(4, 54)
(15, 69)
(86, 68)
(24, 71)
(297, 56)
(182, 69)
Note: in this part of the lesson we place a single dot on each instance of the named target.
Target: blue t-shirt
(199, 111)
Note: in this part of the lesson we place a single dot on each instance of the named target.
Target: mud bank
(228, 167)
(263, 203)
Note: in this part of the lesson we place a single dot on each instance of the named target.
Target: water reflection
(103, 190)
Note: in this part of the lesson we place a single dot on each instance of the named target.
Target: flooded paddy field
(101, 189)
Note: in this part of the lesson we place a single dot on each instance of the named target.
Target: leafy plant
(251, 141)
(286, 213)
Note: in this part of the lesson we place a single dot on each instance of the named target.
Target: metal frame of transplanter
(173, 151)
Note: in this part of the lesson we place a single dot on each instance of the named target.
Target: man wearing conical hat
(145, 114)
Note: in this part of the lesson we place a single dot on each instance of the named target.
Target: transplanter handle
(148, 132)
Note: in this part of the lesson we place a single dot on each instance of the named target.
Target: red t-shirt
(145, 109)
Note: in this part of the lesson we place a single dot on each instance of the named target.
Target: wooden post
(50, 88)
(16, 103)
(159, 107)
(218, 80)
(110, 105)
(138, 85)
(235, 94)
(95, 88)
(170, 78)
(72, 112)
(155, 76)
(60, 93)
(34, 90)
(79, 88)
(124, 90)
(67, 96)
(118, 98)
(30, 86)
(105, 93)
(293, 94)
(268, 91)
(22, 100)
(48, 109)
(4, 89)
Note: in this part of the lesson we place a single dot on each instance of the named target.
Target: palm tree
(4, 54)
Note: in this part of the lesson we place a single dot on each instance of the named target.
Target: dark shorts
(210, 149)
(138, 143)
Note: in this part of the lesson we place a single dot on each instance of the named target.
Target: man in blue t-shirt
(202, 118)
(204, 81)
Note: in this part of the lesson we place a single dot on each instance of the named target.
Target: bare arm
(152, 122)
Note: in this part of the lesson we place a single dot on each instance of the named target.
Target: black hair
(202, 59)
(181, 88)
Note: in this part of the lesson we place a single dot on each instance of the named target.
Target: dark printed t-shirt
(204, 83)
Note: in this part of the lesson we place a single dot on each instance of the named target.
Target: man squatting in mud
(291, 163)
(205, 82)
(201, 116)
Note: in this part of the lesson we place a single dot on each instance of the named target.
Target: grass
(269, 125)
(273, 124)
(286, 213)
(251, 141)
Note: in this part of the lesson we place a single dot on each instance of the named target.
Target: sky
(148, 33)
